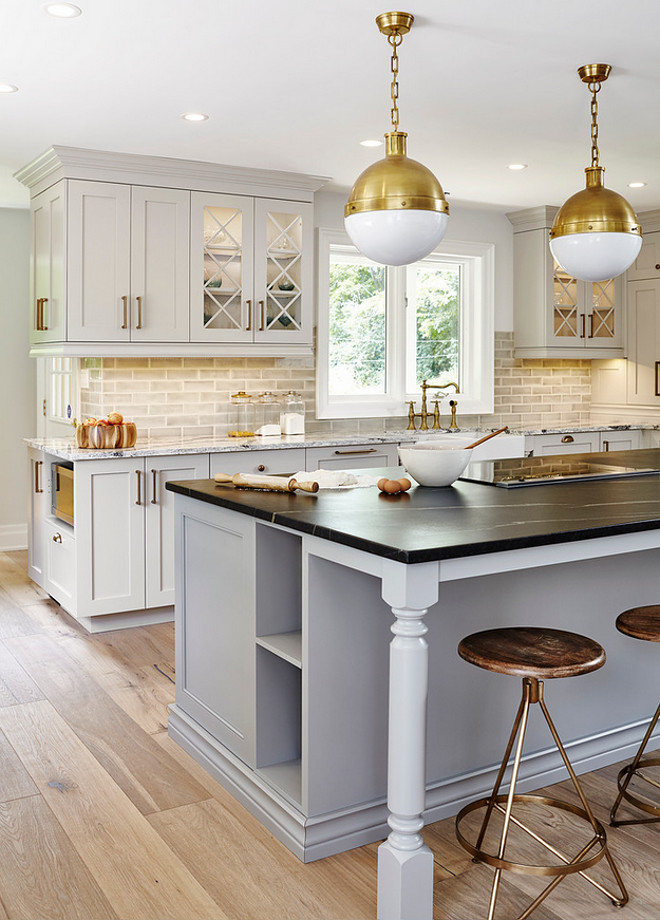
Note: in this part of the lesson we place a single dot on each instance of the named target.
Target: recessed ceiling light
(62, 10)
(636, 184)
(517, 166)
(370, 143)
(194, 116)
(8, 88)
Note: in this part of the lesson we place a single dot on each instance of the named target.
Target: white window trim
(476, 336)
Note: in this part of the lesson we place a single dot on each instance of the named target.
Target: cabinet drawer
(259, 461)
(60, 563)
(352, 456)
(582, 442)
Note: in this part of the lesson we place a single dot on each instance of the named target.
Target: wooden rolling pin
(272, 483)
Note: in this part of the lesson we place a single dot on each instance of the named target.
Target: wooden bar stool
(534, 654)
(640, 623)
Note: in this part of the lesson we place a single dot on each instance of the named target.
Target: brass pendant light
(397, 212)
(596, 234)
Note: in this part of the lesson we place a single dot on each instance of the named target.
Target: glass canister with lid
(268, 415)
(292, 418)
(241, 416)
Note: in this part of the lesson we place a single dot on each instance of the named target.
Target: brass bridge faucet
(424, 415)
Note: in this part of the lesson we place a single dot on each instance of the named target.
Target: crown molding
(541, 218)
(165, 172)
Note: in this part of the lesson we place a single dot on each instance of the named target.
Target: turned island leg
(405, 863)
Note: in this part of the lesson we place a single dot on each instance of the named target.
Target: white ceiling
(296, 85)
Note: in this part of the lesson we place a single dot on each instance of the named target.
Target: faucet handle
(411, 416)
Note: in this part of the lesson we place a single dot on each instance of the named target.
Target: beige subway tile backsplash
(191, 396)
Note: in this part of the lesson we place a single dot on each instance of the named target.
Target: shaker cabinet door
(110, 527)
(159, 264)
(99, 262)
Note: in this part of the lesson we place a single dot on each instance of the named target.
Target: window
(383, 330)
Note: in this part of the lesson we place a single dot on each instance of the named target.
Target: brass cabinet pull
(138, 473)
(583, 333)
(39, 323)
(124, 300)
(249, 322)
(366, 450)
(44, 327)
(606, 445)
(567, 439)
(139, 322)
(591, 325)
(37, 486)
(657, 380)
(154, 486)
(263, 316)
(57, 538)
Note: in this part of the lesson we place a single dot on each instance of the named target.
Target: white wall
(17, 375)
(467, 224)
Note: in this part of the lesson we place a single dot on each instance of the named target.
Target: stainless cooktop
(536, 471)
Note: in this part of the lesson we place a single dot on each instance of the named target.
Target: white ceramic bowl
(434, 465)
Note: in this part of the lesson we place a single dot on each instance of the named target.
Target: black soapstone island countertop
(465, 519)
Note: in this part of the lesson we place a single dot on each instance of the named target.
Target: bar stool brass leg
(524, 704)
(530, 690)
(600, 834)
(629, 772)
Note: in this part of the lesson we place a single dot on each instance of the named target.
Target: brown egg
(392, 486)
(381, 483)
(405, 484)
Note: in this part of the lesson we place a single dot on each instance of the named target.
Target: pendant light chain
(395, 40)
(594, 86)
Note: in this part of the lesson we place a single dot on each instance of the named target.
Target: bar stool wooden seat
(534, 654)
(639, 623)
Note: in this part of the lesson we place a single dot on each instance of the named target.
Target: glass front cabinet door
(585, 314)
(250, 270)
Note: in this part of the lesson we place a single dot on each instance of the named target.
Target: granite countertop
(465, 519)
(65, 448)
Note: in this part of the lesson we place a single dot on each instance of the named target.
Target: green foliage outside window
(358, 325)
(357, 328)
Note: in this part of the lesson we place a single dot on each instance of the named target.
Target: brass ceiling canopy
(386, 190)
(596, 234)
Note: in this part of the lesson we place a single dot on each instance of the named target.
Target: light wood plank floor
(103, 816)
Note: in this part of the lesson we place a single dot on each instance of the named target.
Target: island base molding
(109, 621)
(325, 835)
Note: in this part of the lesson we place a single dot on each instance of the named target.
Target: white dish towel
(336, 479)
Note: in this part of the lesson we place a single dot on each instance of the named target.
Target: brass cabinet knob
(57, 538)
(567, 439)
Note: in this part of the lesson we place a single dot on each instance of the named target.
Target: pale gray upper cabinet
(556, 316)
(122, 263)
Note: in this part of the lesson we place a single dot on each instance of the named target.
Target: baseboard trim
(13, 537)
(311, 838)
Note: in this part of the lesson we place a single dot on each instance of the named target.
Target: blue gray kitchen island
(290, 692)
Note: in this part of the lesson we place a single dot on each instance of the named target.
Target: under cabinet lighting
(62, 10)
(370, 143)
(8, 88)
(636, 184)
(517, 166)
(194, 116)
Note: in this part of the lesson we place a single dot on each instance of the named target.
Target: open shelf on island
(286, 778)
(286, 645)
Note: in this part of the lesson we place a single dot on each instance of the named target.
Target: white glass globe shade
(596, 256)
(396, 237)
